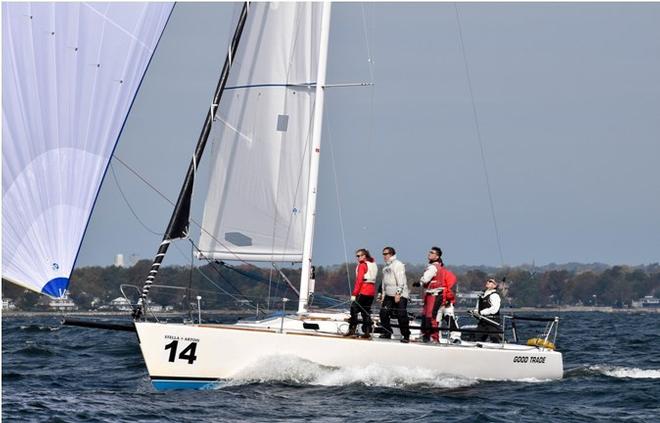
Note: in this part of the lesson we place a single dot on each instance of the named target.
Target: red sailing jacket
(362, 288)
(444, 278)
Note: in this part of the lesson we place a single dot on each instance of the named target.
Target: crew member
(488, 313)
(438, 298)
(394, 295)
(363, 293)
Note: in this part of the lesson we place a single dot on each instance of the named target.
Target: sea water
(52, 373)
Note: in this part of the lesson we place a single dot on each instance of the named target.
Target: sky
(567, 99)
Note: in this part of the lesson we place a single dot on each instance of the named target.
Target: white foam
(286, 368)
(627, 372)
(530, 380)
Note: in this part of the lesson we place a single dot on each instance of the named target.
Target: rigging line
(128, 204)
(157, 191)
(189, 288)
(286, 279)
(190, 278)
(366, 40)
(180, 288)
(201, 291)
(224, 278)
(238, 300)
(479, 138)
(372, 97)
(140, 177)
(341, 219)
(261, 279)
(250, 275)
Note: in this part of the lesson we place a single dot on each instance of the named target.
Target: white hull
(223, 351)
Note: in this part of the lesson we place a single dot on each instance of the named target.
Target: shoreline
(243, 313)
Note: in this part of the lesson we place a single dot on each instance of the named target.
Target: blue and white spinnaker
(70, 72)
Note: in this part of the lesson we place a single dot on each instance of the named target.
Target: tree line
(222, 286)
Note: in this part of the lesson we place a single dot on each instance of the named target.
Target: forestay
(262, 132)
(70, 74)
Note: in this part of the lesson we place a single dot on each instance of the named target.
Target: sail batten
(256, 201)
(70, 74)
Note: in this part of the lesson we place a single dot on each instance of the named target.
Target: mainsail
(262, 139)
(70, 73)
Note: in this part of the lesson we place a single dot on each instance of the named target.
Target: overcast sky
(568, 104)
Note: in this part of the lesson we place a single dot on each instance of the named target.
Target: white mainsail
(70, 72)
(262, 139)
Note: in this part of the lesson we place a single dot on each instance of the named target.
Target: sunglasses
(387, 254)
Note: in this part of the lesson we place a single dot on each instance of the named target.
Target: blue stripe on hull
(172, 384)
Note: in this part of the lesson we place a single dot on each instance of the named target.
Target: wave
(626, 372)
(11, 376)
(291, 369)
(38, 328)
(33, 350)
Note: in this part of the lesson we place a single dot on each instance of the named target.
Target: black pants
(489, 331)
(398, 311)
(361, 305)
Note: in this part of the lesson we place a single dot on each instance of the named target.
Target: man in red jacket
(363, 293)
(438, 283)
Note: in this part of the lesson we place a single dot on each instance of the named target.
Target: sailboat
(265, 125)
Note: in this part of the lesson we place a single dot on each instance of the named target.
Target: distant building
(121, 304)
(8, 304)
(155, 307)
(64, 303)
(648, 301)
(119, 260)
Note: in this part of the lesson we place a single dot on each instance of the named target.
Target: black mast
(180, 220)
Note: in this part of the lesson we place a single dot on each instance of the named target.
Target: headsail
(70, 74)
(256, 204)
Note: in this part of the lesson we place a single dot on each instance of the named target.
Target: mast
(310, 214)
(180, 220)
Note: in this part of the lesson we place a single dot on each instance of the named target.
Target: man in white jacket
(393, 295)
(487, 311)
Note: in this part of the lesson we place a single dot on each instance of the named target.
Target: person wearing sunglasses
(487, 311)
(363, 293)
(393, 296)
